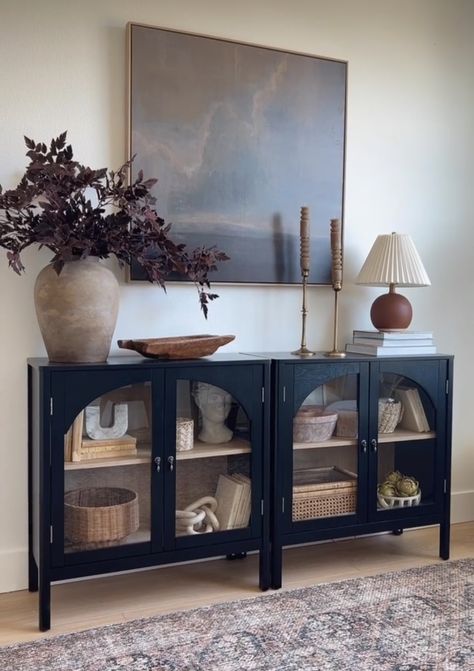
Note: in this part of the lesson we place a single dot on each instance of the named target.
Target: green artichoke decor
(397, 484)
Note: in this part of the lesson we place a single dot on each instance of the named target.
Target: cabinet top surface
(138, 361)
(323, 357)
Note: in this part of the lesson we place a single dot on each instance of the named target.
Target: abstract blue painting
(240, 137)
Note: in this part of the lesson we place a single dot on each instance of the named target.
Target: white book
(228, 494)
(414, 416)
(243, 511)
(412, 342)
(394, 335)
(378, 350)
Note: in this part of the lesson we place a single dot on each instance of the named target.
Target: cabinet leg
(44, 604)
(397, 532)
(444, 533)
(276, 566)
(264, 569)
(32, 574)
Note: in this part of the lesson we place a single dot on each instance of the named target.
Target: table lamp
(392, 261)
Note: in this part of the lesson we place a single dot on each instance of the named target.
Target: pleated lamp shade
(393, 260)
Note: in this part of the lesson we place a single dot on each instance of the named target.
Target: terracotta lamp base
(391, 312)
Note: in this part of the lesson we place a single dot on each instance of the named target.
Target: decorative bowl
(181, 347)
(398, 501)
(313, 424)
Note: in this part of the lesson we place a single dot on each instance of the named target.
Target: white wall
(410, 144)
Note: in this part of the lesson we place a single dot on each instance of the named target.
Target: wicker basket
(325, 499)
(390, 414)
(184, 434)
(100, 514)
(312, 424)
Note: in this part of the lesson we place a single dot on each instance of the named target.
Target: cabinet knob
(363, 445)
(157, 461)
(171, 463)
(373, 444)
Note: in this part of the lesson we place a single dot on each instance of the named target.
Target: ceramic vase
(77, 310)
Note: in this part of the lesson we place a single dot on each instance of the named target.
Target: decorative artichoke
(394, 477)
(387, 489)
(408, 486)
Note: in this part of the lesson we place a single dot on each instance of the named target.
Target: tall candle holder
(303, 351)
(336, 279)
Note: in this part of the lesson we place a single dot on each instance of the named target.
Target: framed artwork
(240, 137)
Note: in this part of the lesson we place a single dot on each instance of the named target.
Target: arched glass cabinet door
(326, 453)
(213, 462)
(107, 475)
(405, 455)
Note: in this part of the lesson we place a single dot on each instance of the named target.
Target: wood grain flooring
(95, 602)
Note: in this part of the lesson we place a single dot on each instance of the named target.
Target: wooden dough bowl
(183, 347)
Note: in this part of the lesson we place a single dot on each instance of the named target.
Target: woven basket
(330, 502)
(184, 434)
(323, 492)
(100, 514)
(390, 414)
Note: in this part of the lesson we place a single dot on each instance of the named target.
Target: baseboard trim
(462, 507)
(13, 570)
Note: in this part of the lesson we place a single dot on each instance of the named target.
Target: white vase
(77, 310)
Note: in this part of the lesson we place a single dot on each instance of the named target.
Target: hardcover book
(380, 350)
(414, 416)
(394, 335)
(228, 495)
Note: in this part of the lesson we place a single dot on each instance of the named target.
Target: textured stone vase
(77, 310)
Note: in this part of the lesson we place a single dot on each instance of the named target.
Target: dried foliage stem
(77, 212)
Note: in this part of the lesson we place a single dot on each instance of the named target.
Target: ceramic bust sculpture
(214, 406)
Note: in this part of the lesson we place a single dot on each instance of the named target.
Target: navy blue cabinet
(136, 463)
(361, 445)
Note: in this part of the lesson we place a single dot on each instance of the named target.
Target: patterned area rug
(415, 620)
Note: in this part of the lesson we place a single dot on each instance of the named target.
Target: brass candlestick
(336, 278)
(304, 263)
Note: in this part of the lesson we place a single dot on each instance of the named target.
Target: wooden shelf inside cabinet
(402, 435)
(143, 456)
(204, 450)
(398, 436)
(332, 442)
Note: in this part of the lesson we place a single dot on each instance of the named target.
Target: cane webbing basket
(100, 514)
(333, 492)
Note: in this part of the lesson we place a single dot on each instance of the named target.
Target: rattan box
(100, 514)
(324, 492)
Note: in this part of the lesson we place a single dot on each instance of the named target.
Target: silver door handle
(363, 444)
(157, 461)
(373, 444)
(171, 463)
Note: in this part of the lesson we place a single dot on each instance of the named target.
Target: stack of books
(391, 343)
(79, 448)
(233, 496)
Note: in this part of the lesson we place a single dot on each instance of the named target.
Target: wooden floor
(90, 603)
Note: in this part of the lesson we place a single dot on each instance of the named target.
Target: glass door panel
(213, 461)
(325, 451)
(406, 444)
(107, 476)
